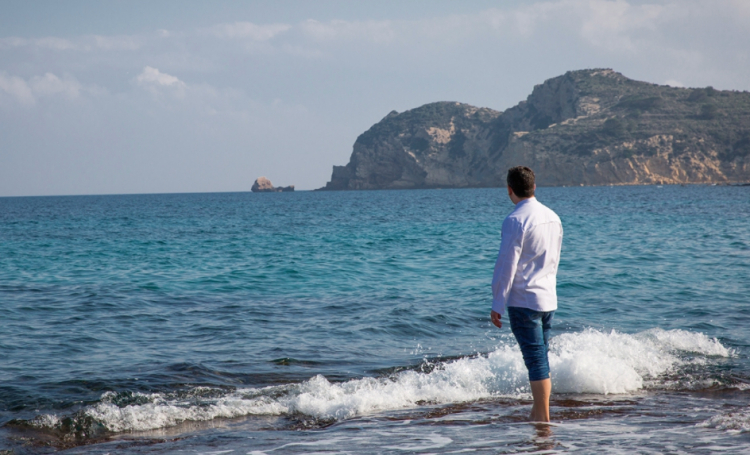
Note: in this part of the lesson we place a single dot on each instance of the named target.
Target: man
(525, 281)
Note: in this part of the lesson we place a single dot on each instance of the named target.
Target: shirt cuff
(498, 307)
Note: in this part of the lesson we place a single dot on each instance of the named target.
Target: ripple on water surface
(304, 311)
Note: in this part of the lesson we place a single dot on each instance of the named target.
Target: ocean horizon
(321, 189)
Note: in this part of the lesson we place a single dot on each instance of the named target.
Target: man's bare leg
(541, 391)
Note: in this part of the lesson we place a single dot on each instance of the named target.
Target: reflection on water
(544, 439)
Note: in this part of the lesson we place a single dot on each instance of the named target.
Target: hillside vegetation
(584, 127)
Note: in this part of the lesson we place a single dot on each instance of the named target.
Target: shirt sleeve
(506, 265)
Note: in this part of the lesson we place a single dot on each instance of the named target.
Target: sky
(136, 96)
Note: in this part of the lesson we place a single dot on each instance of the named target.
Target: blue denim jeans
(531, 329)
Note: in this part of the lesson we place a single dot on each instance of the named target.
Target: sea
(357, 322)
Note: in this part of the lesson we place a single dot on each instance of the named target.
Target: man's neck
(516, 200)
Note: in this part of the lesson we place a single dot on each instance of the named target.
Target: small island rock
(263, 185)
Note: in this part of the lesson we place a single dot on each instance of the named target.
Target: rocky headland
(588, 127)
(263, 185)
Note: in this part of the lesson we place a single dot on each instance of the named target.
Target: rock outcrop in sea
(588, 127)
(263, 185)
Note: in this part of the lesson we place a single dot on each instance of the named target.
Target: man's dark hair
(521, 181)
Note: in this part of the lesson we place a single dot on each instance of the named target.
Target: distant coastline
(582, 185)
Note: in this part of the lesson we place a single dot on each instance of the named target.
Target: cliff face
(590, 127)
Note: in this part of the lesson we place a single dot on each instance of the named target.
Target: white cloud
(28, 92)
(301, 51)
(156, 83)
(609, 24)
(17, 88)
(374, 31)
(197, 98)
(117, 43)
(152, 76)
(83, 43)
(612, 24)
(249, 30)
(58, 44)
(49, 84)
(11, 42)
(525, 21)
(51, 42)
(615, 25)
(674, 83)
(741, 7)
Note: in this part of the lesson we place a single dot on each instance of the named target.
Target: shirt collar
(525, 201)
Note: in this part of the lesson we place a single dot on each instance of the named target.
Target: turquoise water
(358, 322)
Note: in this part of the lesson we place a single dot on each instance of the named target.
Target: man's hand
(495, 316)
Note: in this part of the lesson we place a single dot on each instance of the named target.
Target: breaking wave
(590, 361)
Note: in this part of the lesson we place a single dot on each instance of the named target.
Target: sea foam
(590, 361)
(597, 362)
(735, 422)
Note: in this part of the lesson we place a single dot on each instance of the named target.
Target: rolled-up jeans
(531, 329)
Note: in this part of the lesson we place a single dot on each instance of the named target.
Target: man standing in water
(525, 281)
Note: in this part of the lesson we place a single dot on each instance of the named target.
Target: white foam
(45, 421)
(463, 380)
(590, 361)
(596, 362)
(160, 412)
(735, 422)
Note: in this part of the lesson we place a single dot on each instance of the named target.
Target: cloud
(613, 24)
(373, 31)
(156, 82)
(741, 7)
(674, 83)
(26, 93)
(58, 44)
(200, 99)
(49, 84)
(249, 30)
(51, 42)
(118, 43)
(609, 24)
(152, 76)
(17, 88)
(84, 43)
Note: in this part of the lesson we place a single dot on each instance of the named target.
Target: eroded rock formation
(591, 127)
(263, 185)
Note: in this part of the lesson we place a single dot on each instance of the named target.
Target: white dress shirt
(526, 268)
